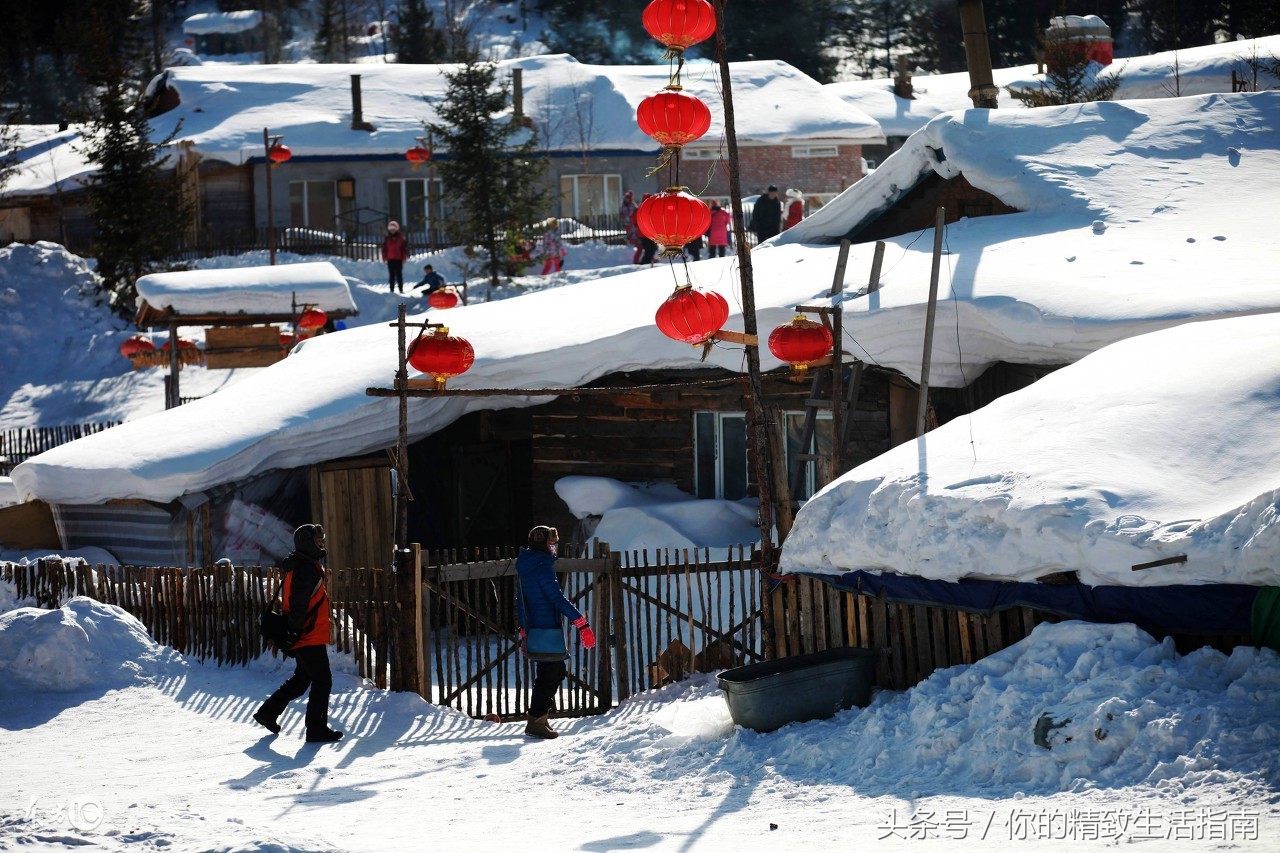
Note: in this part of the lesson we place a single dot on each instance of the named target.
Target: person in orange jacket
(305, 600)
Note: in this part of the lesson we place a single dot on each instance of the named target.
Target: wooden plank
(28, 526)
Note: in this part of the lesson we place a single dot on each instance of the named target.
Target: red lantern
(679, 23)
(136, 345)
(286, 340)
(278, 154)
(312, 319)
(183, 343)
(672, 218)
(692, 316)
(673, 118)
(417, 156)
(443, 298)
(800, 343)
(441, 356)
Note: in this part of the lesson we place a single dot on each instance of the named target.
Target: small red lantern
(679, 23)
(440, 356)
(287, 340)
(183, 343)
(443, 298)
(312, 319)
(136, 345)
(672, 218)
(692, 316)
(417, 155)
(673, 118)
(278, 154)
(800, 343)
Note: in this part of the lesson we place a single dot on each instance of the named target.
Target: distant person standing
(795, 209)
(553, 250)
(541, 603)
(766, 216)
(395, 251)
(305, 601)
(627, 216)
(718, 232)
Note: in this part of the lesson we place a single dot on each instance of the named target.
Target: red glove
(584, 631)
(522, 637)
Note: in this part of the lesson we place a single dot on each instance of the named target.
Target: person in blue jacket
(541, 603)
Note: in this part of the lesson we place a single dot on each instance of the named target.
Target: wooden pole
(973, 22)
(175, 367)
(922, 405)
(877, 261)
(271, 217)
(402, 439)
(837, 369)
(760, 436)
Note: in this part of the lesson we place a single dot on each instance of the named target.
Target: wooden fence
(21, 443)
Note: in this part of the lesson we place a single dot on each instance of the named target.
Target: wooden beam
(736, 338)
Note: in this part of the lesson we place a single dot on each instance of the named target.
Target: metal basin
(766, 696)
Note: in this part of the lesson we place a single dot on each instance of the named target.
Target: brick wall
(762, 165)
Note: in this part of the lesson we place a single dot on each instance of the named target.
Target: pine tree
(417, 39)
(138, 209)
(492, 175)
(1070, 78)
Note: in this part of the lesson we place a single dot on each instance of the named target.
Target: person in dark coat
(431, 280)
(305, 600)
(395, 251)
(541, 603)
(766, 216)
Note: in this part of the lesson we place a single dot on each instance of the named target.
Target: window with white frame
(590, 195)
(409, 204)
(721, 454)
(801, 152)
(319, 204)
(699, 153)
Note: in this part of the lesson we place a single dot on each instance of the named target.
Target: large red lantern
(278, 154)
(672, 218)
(440, 356)
(312, 319)
(679, 23)
(443, 298)
(800, 343)
(417, 155)
(692, 316)
(673, 118)
(136, 345)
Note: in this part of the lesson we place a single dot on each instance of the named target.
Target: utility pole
(762, 438)
(982, 89)
(922, 405)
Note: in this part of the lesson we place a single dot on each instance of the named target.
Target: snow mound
(1073, 707)
(597, 495)
(714, 526)
(83, 644)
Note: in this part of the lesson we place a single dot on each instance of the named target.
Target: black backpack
(275, 627)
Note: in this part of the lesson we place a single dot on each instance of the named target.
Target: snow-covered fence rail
(21, 443)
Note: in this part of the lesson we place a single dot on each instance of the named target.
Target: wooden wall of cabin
(226, 198)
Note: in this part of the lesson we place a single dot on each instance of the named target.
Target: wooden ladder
(842, 397)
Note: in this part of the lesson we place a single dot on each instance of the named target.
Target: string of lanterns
(673, 218)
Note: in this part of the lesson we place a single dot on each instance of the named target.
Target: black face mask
(305, 544)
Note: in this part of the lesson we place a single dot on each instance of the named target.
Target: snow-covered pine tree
(1070, 78)
(492, 175)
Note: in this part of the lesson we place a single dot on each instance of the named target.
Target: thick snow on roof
(1188, 236)
(224, 108)
(48, 160)
(248, 290)
(221, 22)
(1200, 71)
(1154, 447)
(1138, 215)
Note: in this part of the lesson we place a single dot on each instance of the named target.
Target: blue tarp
(1182, 609)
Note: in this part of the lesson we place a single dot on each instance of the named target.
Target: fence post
(420, 684)
(406, 657)
(621, 648)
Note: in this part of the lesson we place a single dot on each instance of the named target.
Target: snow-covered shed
(220, 33)
(1174, 229)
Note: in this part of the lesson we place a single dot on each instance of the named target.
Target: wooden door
(353, 500)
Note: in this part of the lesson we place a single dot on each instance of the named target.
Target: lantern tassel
(663, 161)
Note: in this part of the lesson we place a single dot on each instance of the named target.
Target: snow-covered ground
(1081, 737)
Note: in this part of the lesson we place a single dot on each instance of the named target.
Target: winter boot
(325, 735)
(539, 727)
(266, 721)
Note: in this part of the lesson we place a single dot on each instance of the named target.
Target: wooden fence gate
(656, 621)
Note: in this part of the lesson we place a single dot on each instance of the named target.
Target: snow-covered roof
(1154, 447)
(272, 290)
(1200, 70)
(1182, 192)
(224, 108)
(49, 160)
(208, 23)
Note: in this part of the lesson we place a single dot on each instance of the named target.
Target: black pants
(546, 680)
(718, 251)
(395, 272)
(312, 671)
